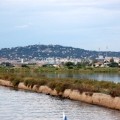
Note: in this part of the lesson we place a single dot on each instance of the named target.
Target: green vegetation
(75, 69)
(16, 82)
(68, 67)
(30, 76)
(24, 65)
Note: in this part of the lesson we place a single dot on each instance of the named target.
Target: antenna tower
(106, 50)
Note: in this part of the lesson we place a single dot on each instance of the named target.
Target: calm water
(23, 105)
(107, 77)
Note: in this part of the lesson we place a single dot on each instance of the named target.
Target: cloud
(87, 20)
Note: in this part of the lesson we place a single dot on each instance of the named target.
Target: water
(106, 77)
(23, 105)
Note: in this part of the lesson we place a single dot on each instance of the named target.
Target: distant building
(100, 58)
(98, 64)
(6, 64)
(22, 61)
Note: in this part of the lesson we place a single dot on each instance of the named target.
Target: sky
(86, 24)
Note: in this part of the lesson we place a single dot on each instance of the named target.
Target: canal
(25, 105)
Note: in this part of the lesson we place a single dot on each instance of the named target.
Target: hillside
(45, 51)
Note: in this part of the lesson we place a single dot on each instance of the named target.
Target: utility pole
(39, 44)
(99, 51)
(39, 52)
(106, 50)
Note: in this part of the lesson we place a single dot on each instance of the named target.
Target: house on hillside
(100, 58)
(97, 64)
(6, 64)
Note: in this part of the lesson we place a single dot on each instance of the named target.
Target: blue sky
(87, 24)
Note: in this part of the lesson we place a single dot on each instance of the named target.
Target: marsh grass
(75, 69)
(29, 82)
(61, 86)
(16, 82)
(82, 85)
(52, 84)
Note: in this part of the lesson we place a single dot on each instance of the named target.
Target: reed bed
(82, 85)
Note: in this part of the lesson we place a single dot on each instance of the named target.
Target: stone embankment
(92, 98)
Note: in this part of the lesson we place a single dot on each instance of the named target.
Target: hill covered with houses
(40, 52)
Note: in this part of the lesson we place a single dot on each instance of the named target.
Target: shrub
(70, 67)
(26, 82)
(24, 65)
(5, 77)
(61, 86)
(42, 82)
(114, 93)
(52, 85)
(11, 78)
(29, 83)
(85, 88)
(15, 82)
(106, 84)
(79, 88)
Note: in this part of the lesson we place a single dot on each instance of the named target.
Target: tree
(69, 64)
(94, 61)
(24, 65)
(112, 60)
(85, 62)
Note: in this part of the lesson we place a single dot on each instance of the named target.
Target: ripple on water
(23, 105)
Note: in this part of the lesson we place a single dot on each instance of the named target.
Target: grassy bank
(82, 85)
(59, 70)
(78, 70)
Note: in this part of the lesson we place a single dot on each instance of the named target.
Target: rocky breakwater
(88, 97)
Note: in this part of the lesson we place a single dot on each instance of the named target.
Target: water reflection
(24, 105)
(107, 77)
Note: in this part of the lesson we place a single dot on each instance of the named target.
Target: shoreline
(87, 97)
